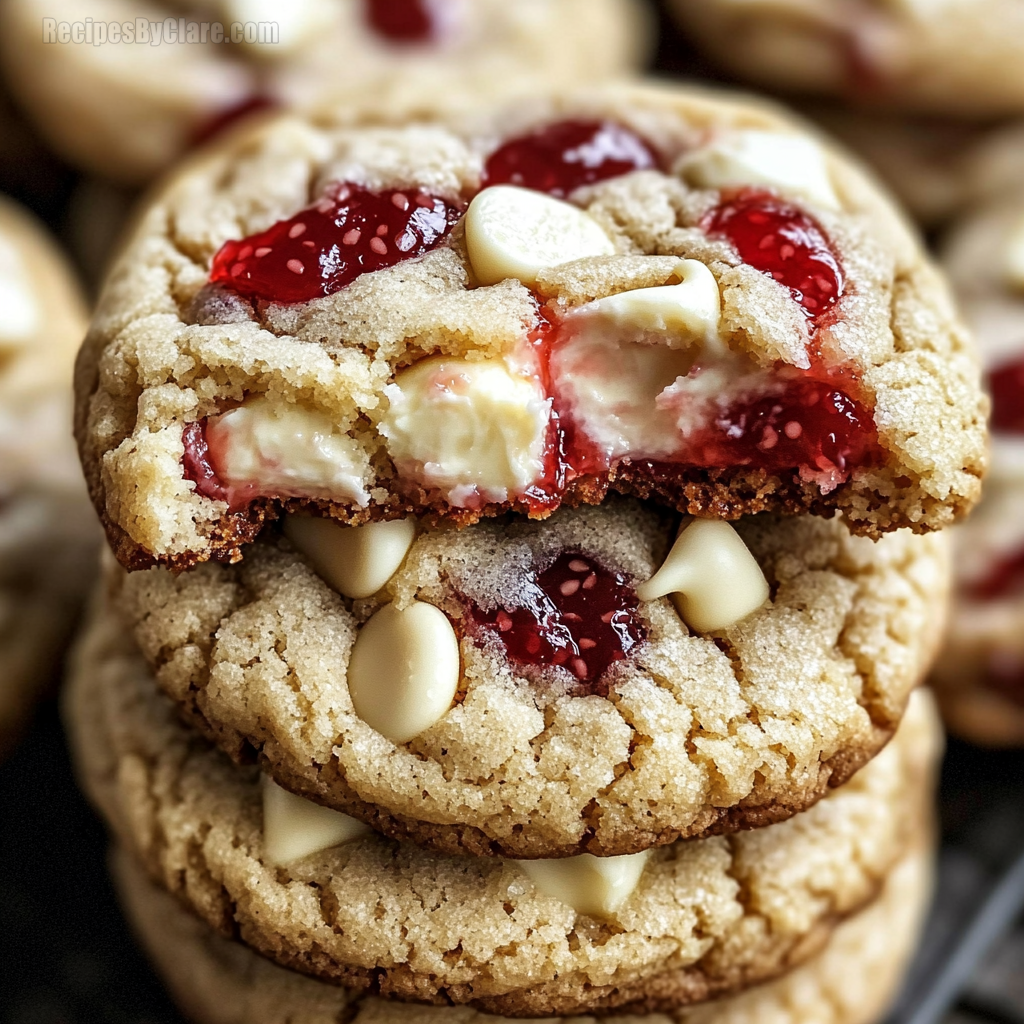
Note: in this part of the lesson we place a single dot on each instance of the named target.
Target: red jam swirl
(404, 21)
(560, 158)
(780, 240)
(352, 231)
(1006, 385)
(576, 614)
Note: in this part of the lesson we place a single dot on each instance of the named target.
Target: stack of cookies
(525, 546)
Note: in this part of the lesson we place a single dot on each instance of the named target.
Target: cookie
(630, 722)
(930, 163)
(122, 88)
(467, 352)
(685, 923)
(980, 677)
(959, 58)
(48, 537)
(217, 981)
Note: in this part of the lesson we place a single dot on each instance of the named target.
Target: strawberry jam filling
(403, 21)
(782, 241)
(1006, 385)
(562, 157)
(575, 613)
(198, 464)
(350, 232)
(808, 424)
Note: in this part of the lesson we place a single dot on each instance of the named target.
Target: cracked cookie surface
(169, 354)
(706, 917)
(689, 734)
(217, 981)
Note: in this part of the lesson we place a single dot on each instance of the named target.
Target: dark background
(66, 955)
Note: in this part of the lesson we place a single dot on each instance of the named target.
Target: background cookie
(217, 981)
(126, 109)
(959, 58)
(48, 537)
(704, 918)
(730, 405)
(688, 734)
(980, 677)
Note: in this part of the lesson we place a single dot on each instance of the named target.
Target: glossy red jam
(783, 242)
(404, 21)
(351, 232)
(576, 614)
(562, 157)
(809, 424)
(1006, 385)
(198, 464)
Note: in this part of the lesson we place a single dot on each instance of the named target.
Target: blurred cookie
(48, 535)
(488, 671)
(727, 318)
(959, 58)
(123, 87)
(218, 981)
(929, 163)
(980, 676)
(685, 923)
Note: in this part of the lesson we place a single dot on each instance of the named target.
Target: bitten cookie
(510, 668)
(980, 677)
(48, 537)
(217, 981)
(659, 291)
(957, 57)
(124, 87)
(685, 923)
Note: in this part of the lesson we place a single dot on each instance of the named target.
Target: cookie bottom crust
(218, 981)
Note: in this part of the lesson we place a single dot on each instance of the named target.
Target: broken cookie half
(644, 290)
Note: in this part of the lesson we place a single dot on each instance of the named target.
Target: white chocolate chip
(294, 827)
(1013, 256)
(596, 886)
(476, 431)
(621, 352)
(679, 314)
(516, 233)
(711, 575)
(791, 163)
(404, 670)
(286, 450)
(296, 22)
(355, 560)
